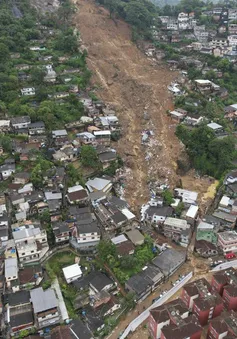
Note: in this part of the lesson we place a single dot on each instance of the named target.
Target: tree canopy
(208, 154)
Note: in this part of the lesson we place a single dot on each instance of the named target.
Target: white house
(20, 122)
(31, 244)
(72, 272)
(28, 91)
(86, 138)
(11, 269)
(51, 74)
(7, 170)
(86, 235)
(232, 39)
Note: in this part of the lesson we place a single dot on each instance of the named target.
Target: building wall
(229, 302)
(202, 316)
(216, 287)
(212, 333)
(217, 310)
(152, 326)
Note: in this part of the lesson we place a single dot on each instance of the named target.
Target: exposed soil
(132, 84)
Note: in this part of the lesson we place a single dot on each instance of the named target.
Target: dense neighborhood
(75, 257)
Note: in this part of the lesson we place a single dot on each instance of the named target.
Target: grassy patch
(54, 269)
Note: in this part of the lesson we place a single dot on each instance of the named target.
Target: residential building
(216, 128)
(205, 248)
(36, 128)
(232, 40)
(72, 272)
(27, 91)
(86, 138)
(11, 270)
(174, 227)
(123, 245)
(192, 214)
(223, 326)
(19, 313)
(207, 232)
(45, 306)
(162, 316)
(158, 214)
(188, 197)
(102, 137)
(178, 115)
(186, 328)
(145, 282)
(61, 232)
(31, 244)
(77, 195)
(85, 235)
(208, 306)
(62, 133)
(20, 122)
(96, 281)
(135, 237)
(230, 297)
(99, 185)
(6, 171)
(169, 261)
(192, 291)
(227, 241)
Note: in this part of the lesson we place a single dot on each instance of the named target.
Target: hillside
(132, 84)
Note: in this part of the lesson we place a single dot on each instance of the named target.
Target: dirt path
(132, 84)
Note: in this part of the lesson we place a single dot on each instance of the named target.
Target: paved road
(225, 266)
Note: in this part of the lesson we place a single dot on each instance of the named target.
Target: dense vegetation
(139, 13)
(126, 266)
(209, 155)
(17, 35)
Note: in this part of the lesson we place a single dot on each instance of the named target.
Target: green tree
(74, 176)
(4, 53)
(168, 197)
(37, 75)
(39, 171)
(179, 209)
(89, 157)
(6, 143)
(105, 250)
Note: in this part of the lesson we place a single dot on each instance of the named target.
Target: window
(84, 239)
(44, 239)
(32, 252)
(14, 277)
(22, 253)
(93, 238)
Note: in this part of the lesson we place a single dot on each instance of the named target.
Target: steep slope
(132, 84)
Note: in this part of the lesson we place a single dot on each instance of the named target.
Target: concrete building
(207, 232)
(191, 291)
(173, 228)
(45, 306)
(228, 241)
(72, 272)
(169, 261)
(164, 315)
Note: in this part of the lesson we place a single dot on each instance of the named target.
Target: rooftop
(174, 222)
(214, 126)
(135, 236)
(43, 300)
(169, 260)
(72, 271)
(17, 298)
(228, 236)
